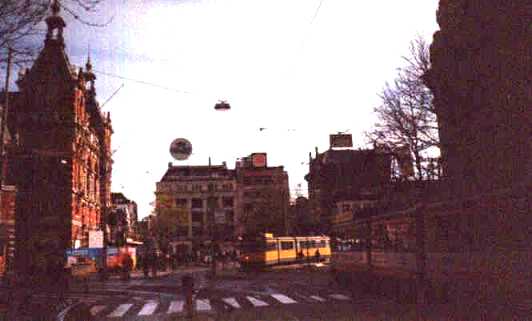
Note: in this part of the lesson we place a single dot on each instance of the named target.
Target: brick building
(62, 160)
(7, 196)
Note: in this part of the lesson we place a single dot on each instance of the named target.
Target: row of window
(197, 203)
(289, 245)
(258, 180)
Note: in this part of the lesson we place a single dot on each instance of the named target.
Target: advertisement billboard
(340, 140)
(96, 239)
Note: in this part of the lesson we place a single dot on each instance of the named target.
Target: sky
(301, 69)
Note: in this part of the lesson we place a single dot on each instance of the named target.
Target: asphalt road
(299, 293)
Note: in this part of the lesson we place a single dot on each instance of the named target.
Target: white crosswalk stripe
(120, 310)
(175, 307)
(148, 308)
(203, 305)
(283, 298)
(256, 302)
(317, 298)
(97, 309)
(339, 297)
(232, 302)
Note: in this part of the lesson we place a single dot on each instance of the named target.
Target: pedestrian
(154, 264)
(146, 264)
(317, 255)
(127, 266)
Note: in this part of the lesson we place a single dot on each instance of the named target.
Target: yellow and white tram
(267, 250)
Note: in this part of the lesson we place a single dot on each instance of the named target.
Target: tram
(267, 250)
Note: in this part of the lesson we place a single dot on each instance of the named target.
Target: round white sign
(180, 149)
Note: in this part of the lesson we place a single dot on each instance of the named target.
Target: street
(300, 293)
(303, 293)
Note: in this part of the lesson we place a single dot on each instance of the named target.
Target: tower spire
(55, 22)
(89, 75)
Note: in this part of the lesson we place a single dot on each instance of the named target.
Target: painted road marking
(317, 298)
(339, 297)
(148, 308)
(97, 309)
(256, 302)
(175, 307)
(232, 302)
(283, 298)
(120, 310)
(203, 305)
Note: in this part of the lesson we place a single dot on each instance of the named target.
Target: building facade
(123, 219)
(339, 176)
(62, 161)
(264, 195)
(200, 201)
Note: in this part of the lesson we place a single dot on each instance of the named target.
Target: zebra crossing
(205, 305)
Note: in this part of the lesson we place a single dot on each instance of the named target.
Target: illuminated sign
(258, 160)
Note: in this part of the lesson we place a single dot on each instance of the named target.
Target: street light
(222, 105)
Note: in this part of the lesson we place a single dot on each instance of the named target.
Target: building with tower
(62, 160)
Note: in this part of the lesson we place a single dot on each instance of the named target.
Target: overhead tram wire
(143, 82)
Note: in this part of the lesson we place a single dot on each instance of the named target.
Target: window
(271, 246)
(230, 217)
(322, 244)
(197, 217)
(197, 203)
(181, 202)
(228, 201)
(312, 243)
(227, 187)
(346, 207)
(303, 244)
(196, 231)
(287, 245)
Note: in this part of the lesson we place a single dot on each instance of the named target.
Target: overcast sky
(302, 69)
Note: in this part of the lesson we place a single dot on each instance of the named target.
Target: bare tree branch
(406, 115)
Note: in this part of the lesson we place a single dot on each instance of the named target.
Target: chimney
(169, 164)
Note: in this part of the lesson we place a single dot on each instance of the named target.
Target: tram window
(271, 246)
(287, 245)
(303, 244)
(312, 243)
(322, 244)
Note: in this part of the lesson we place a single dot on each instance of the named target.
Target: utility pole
(2, 134)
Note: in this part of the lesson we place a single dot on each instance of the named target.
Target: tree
(407, 123)
(20, 22)
(269, 214)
